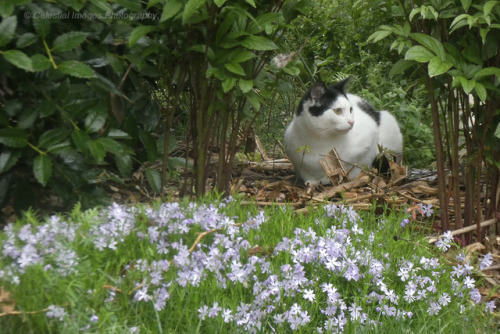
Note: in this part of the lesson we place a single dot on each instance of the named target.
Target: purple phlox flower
(356, 230)
(94, 318)
(410, 293)
(469, 282)
(142, 294)
(153, 233)
(460, 257)
(279, 318)
(486, 261)
(427, 210)
(389, 311)
(405, 270)
(442, 245)
(227, 316)
(444, 299)
(203, 312)
(332, 264)
(490, 306)
(405, 222)
(355, 312)
(212, 313)
(56, 312)
(475, 296)
(182, 257)
(434, 308)
(352, 273)
(29, 256)
(309, 295)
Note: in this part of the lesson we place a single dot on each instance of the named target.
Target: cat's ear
(318, 90)
(341, 85)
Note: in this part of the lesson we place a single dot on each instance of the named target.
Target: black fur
(367, 108)
(322, 96)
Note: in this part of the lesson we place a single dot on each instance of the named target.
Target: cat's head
(327, 108)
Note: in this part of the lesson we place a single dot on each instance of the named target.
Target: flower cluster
(47, 245)
(322, 277)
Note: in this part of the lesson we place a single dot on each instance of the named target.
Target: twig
(21, 312)
(342, 187)
(466, 229)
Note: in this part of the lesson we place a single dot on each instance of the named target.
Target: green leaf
(149, 143)
(488, 71)
(124, 164)
(497, 131)
(415, 11)
(379, 35)
(251, 3)
(419, 53)
(68, 41)
(431, 44)
(400, 66)
(95, 119)
(139, 32)
(19, 59)
(245, 85)
(8, 159)
(154, 179)
(219, 3)
(190, 9)
(52, 137)
(466, 4)
(438, 67)
(6, 8)
(114, 147)
(228, 84)
(13, 137)
(488, 7)
(26, 39)
(235, 68)
(259, 43)
(40, 62)
(467, 85)
(7, 30)
(171, 8)
(77, 69)
(81, 140)
(254, 99)
(103, 6)
(241, 56)
(42, 168)
(97, 149)
(481, 91)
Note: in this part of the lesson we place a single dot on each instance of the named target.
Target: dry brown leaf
(7, 304)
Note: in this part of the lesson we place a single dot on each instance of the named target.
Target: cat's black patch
(383, 166)
(367, 108)
(323, 98)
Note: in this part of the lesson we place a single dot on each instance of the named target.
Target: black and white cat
(328, 117)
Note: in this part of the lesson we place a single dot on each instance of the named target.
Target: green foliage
(75, 97)
(216, 74)
(455, 46)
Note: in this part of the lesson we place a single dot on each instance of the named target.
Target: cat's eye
(351, 110)
(338, 111)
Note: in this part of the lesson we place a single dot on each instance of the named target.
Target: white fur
(354, 135)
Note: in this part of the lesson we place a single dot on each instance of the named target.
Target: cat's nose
(351, 123)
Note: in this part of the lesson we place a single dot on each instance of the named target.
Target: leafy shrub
(75, 96)
(455, 47)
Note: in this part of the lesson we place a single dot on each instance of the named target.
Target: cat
(327, 117)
